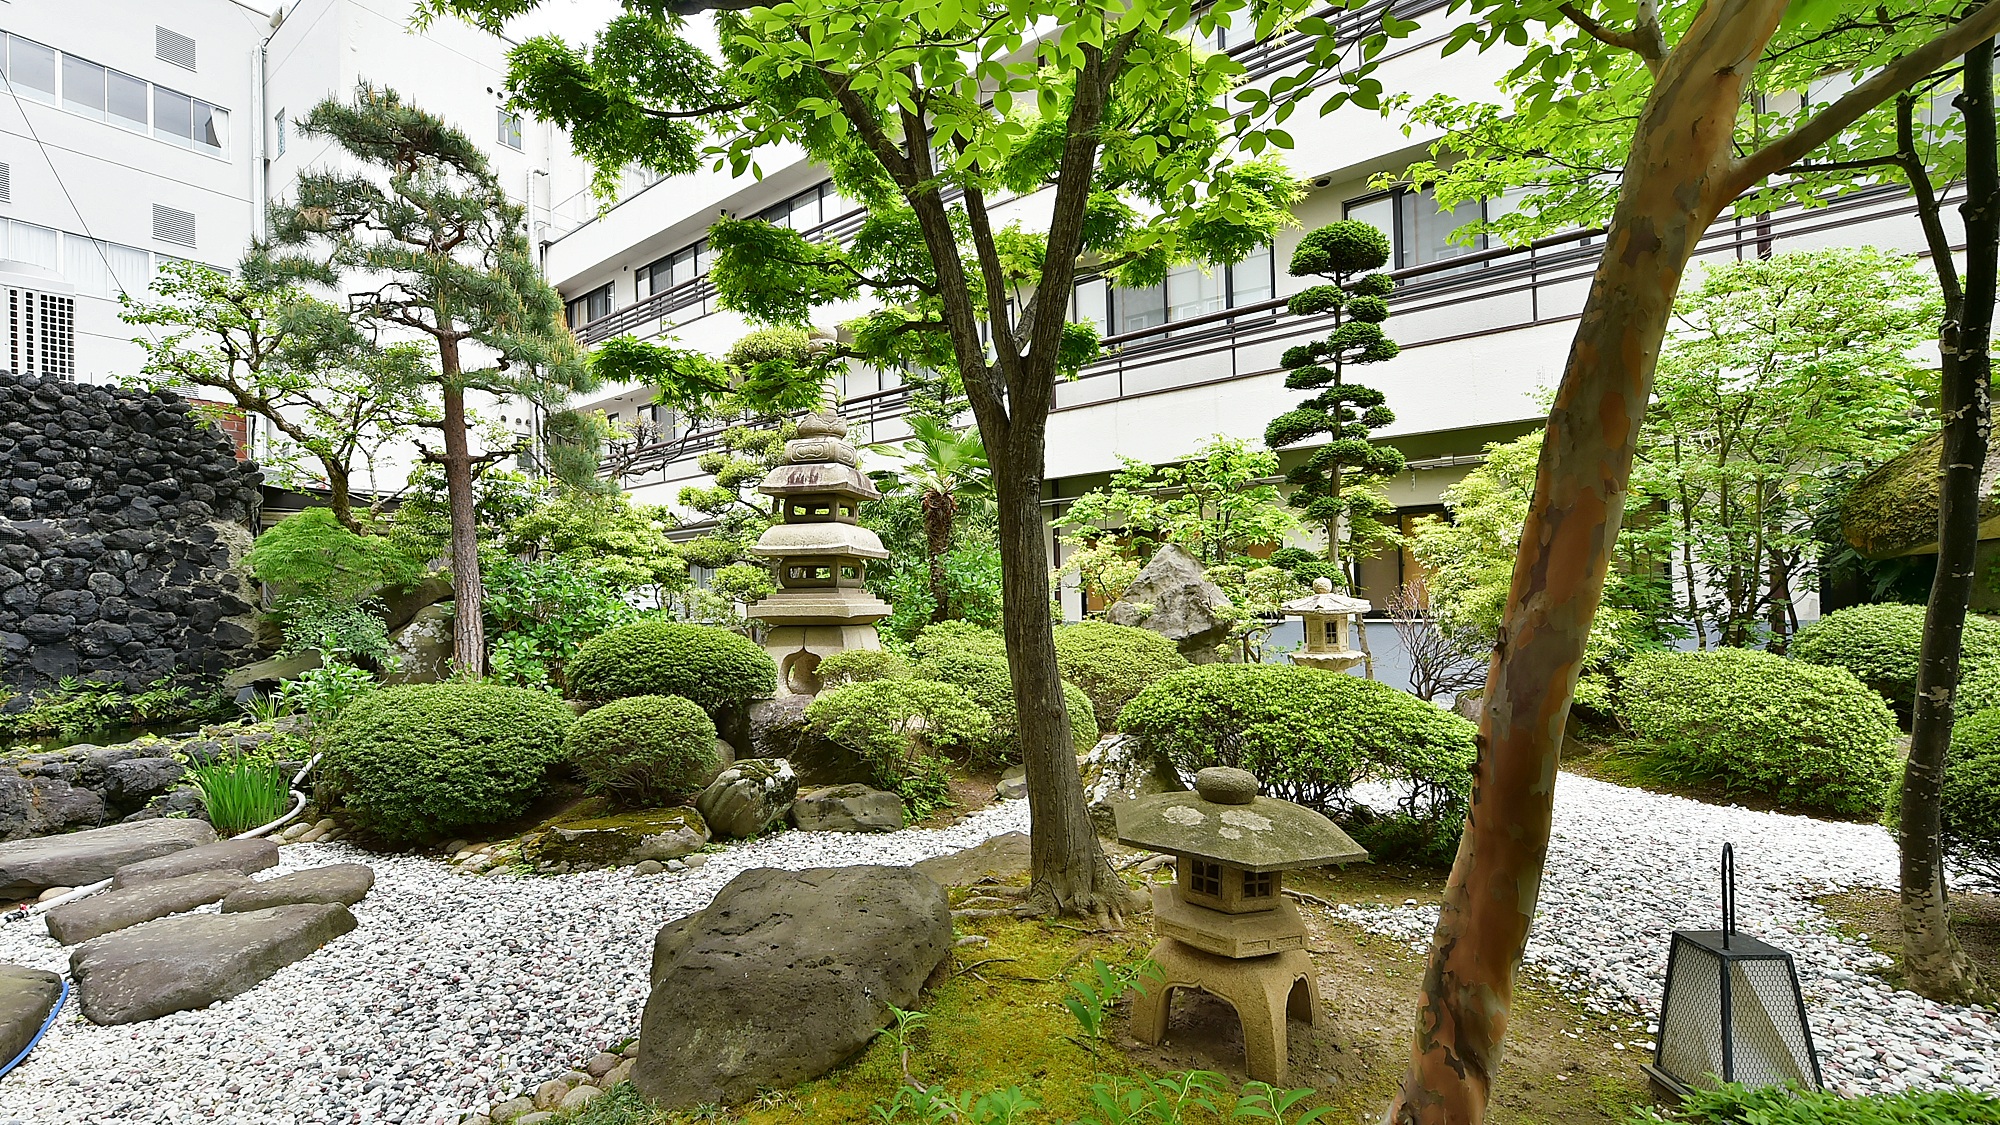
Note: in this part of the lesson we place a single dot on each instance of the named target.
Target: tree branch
(1644, 40)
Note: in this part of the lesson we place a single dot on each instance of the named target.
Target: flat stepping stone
(115, 909)
(27, 996)
(239, 856)
(342, 883)
(178, 964)
(29, 867)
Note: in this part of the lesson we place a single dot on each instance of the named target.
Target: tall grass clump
(241, 794)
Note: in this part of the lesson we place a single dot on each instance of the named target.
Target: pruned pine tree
(1337, 486)
(426, 244)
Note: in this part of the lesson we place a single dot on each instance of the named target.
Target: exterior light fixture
(1732, 1010)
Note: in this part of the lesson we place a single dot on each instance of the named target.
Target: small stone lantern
(1329, 628)
(1225, 926)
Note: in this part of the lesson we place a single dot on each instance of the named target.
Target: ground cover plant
(712, 666)
(240, 793)
(644, 749)
(1775, 1105)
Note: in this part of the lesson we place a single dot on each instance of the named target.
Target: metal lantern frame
(1714, 965)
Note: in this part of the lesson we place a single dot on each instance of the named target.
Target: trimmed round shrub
(897, 727)
(422, 760)
(1804, 735)
(714, 667)
(1882, 644)
(1113, 663)
(644, 749)
(1970, 801)
(860, 666)
(1978, 690)
(948, 638)
(1310, 736)
(987, 682)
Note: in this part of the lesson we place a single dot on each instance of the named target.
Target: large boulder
(129, 784)
(32, 806)
(29, 867)
(748, 797)
(267, 675)
(422, 648)
(612, 841)
(119, 908)
(343, 883)
(1173, 597)
(847, 808)
(177, 964)
(785, 975)
(998, 859)
(776, 728)
(1119, 768)
(27, 996)
(238, 856)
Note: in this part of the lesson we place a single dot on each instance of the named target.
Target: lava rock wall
(123, 526)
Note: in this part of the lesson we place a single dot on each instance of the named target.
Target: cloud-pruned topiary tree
(1336, 485)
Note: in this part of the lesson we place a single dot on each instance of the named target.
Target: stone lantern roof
(1225, 821)
(1325, 602)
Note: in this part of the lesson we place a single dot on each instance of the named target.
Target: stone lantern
(819, 555)
(1225, 926)
(1329, 628)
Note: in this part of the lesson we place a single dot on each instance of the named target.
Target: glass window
(510, 129)
(1379, 212)
(1091, 304)
(210, 127)
(1426, 230)
(37, 246)
(280, 121)
(778, 215)
(173, 115)
(1192, 292)
(805, 210)
(85, 267)
(1139, 309)
(82, 87)
(1250, 279)
(31, 69)
(125, 97)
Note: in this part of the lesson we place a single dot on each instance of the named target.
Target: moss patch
(1872, 916)
(614, 839)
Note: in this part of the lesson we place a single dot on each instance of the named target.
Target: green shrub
(955, 637)
(898, 727)
(1978, 690)
(1113, 663)
(312, 555)
(1799, 733)
(1777, 1105)
(1881, 645)
(644, 749)
(424, 759)
(986, 681)
(1970, 801)
(860, 666)
(337, 630)
(714, 667)
(1309, 736)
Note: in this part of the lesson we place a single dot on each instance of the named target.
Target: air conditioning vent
(173, 47)
(41, 332)
(171, 224)
(6, 183)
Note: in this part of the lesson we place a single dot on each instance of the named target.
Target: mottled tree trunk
(468, 623)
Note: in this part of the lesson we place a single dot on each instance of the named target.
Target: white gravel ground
(458, 991)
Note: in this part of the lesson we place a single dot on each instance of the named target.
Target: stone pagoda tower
(819, 554)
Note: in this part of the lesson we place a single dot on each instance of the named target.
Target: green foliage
(1091, 998)
(687, 381)
(1211, 503)
(311, 555)
(713, 667)
(624, 544)
(422, 760)
(1805, 735)
(971, 588)
(1113, 663)
(860, 666)
(1736, 1104)
(955, 637)
(1882, 645)
(1969, 804)
(323, 694)
(941, 568)
(334, 629)
(500, 497)
(1978, 688)
(1308, 735)
(974, 661)
(899, 727)
(78, 707)
(539, 612)
(644, 749)
(239, 794)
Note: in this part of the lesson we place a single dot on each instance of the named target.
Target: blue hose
(46, 1024)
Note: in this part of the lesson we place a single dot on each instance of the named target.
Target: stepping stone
(27, 996)
(28, 867)
(342, 883)
(239, 856)
(116, 909)
(178, 964)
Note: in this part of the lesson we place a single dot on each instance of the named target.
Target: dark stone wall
(122, 528)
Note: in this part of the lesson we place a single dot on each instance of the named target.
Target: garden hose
(46, 1024)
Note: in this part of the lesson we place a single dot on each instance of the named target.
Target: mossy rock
(611, 841)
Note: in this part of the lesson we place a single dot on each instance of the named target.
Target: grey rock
(28, 867)
(266, 675)
(422, 647)
(657, 834)
(175, 964)
(27, 996)
(1013, 784)
(129, 784)
(510, 1110)
(648, 867)
(847, 808)
(343, 883)
(748, 797)
(182, 801)
(777, 727)
(1001, 857)
(116, 909)
(784, 975)
(240, 856)
(1173, 597)
(1119, 768)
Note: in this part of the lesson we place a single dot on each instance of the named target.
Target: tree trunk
(1675, 181)
(339, 495)
(938, 509)
(1934, 963)
(468, 625)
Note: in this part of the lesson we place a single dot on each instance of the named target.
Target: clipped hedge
(714, 667)
(987, 683)
(422, 760)
(860, 666)
(645, 749)
(1113, 663)
(898, 727)
(1310, 736)
(949, 638)
(1802, 734)
(1970, 801)
(1881, 644)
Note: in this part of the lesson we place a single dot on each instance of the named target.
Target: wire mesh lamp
(1732, 1010)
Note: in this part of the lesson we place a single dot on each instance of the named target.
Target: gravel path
(1626, 867)
(454, 992)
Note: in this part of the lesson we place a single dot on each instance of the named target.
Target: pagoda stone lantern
(1225, 926)
(819, 555)
(1329, 628)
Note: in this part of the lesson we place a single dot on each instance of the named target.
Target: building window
(589, 307)
(82, 87)
(190, 122)
(26, 242)
(103, 94)
(128, 100)
(674, 270)
(31, 69)
(806, 210)
(280, 120)
(1189, 291)
(1418, 230)
(510, 130)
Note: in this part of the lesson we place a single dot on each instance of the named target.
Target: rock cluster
(121, 536)
(83, 786)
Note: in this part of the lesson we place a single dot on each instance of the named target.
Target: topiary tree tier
(645, 749)
(714, 667)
